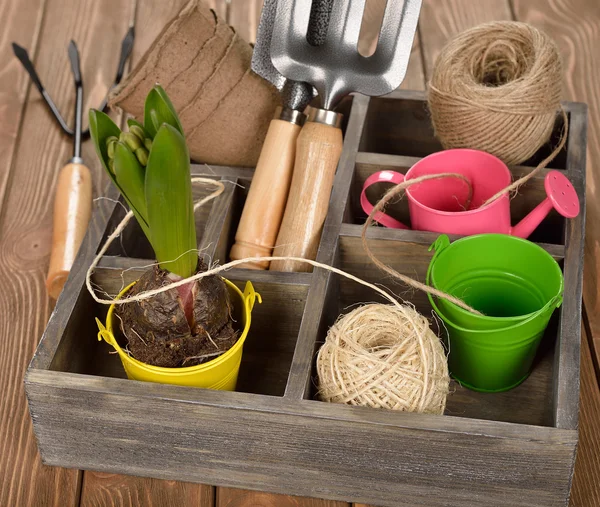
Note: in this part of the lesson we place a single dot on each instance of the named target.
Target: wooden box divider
(272, 433)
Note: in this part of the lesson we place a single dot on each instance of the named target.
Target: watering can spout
(560, 195)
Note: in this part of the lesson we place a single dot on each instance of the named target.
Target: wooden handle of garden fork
(265, 204)
(318, 152)
(72, 210)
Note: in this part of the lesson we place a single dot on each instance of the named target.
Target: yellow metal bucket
(220, 373)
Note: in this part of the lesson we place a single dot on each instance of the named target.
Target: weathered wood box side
(505, 449)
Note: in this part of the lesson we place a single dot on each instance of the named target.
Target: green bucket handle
(439, 245)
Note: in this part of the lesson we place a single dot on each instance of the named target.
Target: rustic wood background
(32, 150)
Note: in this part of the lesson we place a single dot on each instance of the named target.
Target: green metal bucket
(517, 284)
(508, 279)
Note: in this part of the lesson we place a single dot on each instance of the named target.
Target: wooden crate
(505, 449)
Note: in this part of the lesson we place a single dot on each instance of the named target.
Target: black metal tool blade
(76, 70)
(23, 56)
(126, 49)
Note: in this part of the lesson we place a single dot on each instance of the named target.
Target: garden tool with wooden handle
(335, 68)
(265, 204)
(73, 196)
(72, 200)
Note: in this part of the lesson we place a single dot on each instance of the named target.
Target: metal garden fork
(335, 68)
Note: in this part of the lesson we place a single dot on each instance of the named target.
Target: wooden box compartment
(272, 434)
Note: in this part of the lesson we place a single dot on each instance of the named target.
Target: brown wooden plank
(441, 20)
(21, 23)
(124, 490)
(575, 26)
(230, 497)
(585, 491)
(26, 225)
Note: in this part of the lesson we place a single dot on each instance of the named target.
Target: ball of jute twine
(382, 357)
(496, 88)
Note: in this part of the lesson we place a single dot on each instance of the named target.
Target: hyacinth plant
(150, 165)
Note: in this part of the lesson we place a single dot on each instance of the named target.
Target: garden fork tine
(345, 23)
(398, 30)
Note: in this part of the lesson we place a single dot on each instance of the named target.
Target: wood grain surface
(18, 455)
(442, 19)
(26, 227)
(229, 497)
(32, 150)
(20, 24)
(101, 489)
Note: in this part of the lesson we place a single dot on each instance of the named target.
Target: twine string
(224, 267)
(379, 207)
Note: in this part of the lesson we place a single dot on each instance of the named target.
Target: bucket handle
(555, 302)
(105, 334)
(250, 296)
(440, 244)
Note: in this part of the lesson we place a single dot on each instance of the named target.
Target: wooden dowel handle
(318, 152)
(265, 204)
(72, 210)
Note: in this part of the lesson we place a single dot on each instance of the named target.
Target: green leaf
(130, 177)
(158, 110)
(101, 128)
(169, 203)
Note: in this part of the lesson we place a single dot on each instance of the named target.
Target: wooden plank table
(32, 150)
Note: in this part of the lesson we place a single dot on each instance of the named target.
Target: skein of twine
(412, 373)
(497, 88)
(370, 358)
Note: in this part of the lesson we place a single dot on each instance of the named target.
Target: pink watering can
(443, 205)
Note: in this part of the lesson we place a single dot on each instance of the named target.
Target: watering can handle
(381, 177)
